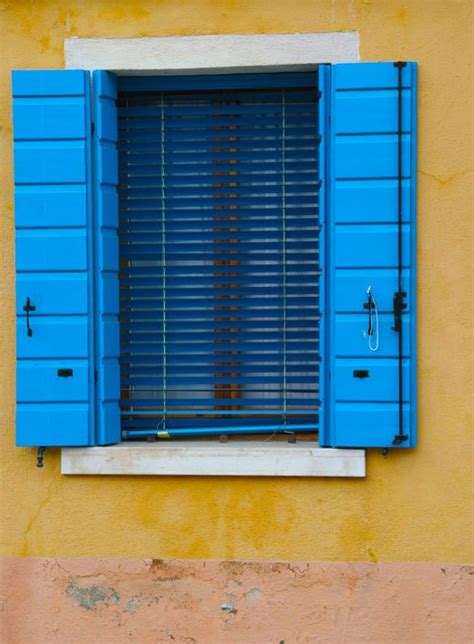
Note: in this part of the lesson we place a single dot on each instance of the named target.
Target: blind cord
(284, 254)
(163, 250)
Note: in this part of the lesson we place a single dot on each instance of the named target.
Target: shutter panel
(106, 249)
(365, 173)
(55, 384)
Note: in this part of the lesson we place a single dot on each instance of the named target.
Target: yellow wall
(415, 504)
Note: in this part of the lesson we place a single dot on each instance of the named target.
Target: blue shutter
(55, 384)
(362, 142)
(106, 249)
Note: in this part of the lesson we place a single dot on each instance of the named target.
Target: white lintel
(212, 54)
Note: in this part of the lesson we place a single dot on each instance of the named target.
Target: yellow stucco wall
(415, 504)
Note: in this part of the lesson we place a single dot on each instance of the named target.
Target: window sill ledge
(210, 458)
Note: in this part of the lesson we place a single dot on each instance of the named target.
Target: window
(329, 285)
(219, 258)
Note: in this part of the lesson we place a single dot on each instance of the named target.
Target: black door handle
(28, 307)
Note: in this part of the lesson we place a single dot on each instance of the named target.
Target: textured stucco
(414, 505)
(73, 600)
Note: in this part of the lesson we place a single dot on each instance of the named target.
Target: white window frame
(213, 55)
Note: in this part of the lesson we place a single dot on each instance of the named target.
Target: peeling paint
(340, 602)
(229, 607)
(134, 603)
(86, 596)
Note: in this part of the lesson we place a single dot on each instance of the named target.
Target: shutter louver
(219, 259)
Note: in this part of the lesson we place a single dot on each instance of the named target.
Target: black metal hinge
(398, 306)
(399, 438)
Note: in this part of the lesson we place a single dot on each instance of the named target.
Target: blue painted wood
(51, 249)
(369, 156)
(38, 381)
(60, 83)
(52, 424)
(361, 209)
(107, 349)
(56, 162)
(368, 423)
(53, 293)
(50, 119)
(352, 284)
(53, 337)
(372, 111)
(381, 385)
(50, 206)
(370, 200)
(349, 329)
(379, 76)
(53, 217)
(370, 246)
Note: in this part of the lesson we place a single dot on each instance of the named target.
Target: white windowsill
(211, 458)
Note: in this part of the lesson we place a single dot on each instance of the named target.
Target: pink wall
(86, 600)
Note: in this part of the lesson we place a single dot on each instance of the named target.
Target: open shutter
(55, 370)
(369, 131)
(106, 250)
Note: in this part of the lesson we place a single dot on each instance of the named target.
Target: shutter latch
(28, 307)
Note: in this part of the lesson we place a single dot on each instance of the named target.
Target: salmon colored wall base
(120, 600)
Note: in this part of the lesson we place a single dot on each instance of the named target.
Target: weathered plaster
(145, 601)
(414, 505)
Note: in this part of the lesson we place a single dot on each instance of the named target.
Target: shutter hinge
(399, 438)
(400, 63)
